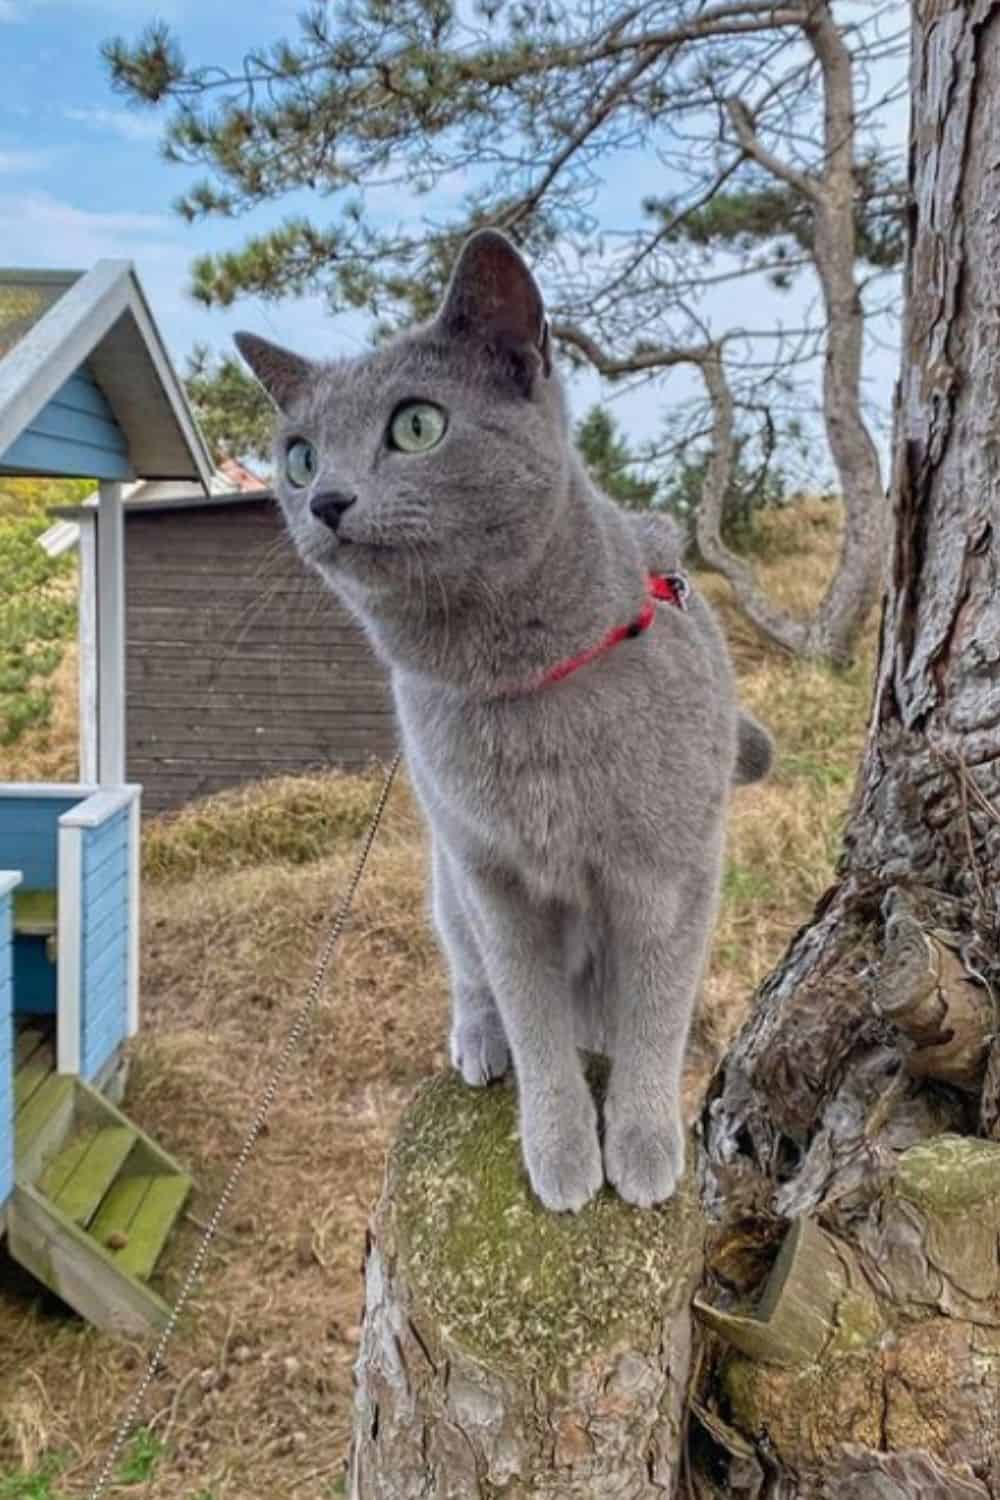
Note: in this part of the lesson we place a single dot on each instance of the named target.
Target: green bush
(37, 618)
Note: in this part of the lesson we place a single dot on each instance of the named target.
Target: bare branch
(785, 631)
(742, 123)
(644, 359)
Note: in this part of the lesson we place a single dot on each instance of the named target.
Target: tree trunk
(861, 1098)
(847, 1325)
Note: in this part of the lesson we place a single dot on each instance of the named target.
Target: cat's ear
(493, 297)
(282, 374)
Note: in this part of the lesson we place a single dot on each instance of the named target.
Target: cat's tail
(754, 751)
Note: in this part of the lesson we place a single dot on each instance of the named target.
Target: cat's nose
(330, 507)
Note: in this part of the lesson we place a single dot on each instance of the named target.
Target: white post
(111, 636)
(69, 1024)
(87, 561)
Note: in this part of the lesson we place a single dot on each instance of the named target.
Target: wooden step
(80, 1176)
(71, 1263)
(94, 1201)
(136, 1216)
(36, 913)
(29, 1076)
(41, 1124)
(29, 1040)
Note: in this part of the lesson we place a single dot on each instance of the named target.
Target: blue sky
(81, 179)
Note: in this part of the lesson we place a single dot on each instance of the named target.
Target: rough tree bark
(844, 1340)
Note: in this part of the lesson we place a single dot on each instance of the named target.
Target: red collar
(672, 588)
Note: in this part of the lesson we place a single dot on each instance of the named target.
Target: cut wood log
(507, 1350)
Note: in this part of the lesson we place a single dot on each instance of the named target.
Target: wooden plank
(30, 1077)
(35, 913)
(32, 813)
(142, 1210)
(134, 861)
(249, 584)
(156, 624)
(334, 680)
(155, 731)
(111, 635)
(120, 1206)
(104, 864)
(154, 532)
(225, 723)
(91, 1104)
(105, 924)
(331, 697)
(61, 1167)
(222, 597)
(77, 1268)
(87, 638)
(70, 950)
(94, 1173)
(63, 456)
(82, 393)
(40, 1127)
(266, 650)
(99, 806)
(29, 1040)
(35, 854)
(105, 967)
(104, 1038)
(60, 420)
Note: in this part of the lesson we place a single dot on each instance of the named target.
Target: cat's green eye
(417, 427)
(300, 463)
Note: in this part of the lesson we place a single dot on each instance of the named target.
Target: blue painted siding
(110, 854)
(75, 433)
(29, 837)
(6, 1052)
(104, 936)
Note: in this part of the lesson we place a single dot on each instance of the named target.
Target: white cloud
(24, 161)
(37, 229)
(127, 123)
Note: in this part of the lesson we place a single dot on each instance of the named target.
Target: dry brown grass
(255, 1398)
(50, 753)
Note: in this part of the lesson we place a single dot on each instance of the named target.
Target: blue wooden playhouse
(86, 1198)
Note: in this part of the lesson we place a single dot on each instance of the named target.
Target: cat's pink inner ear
(282, 374)
(492, 293)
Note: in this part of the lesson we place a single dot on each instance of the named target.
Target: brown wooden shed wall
(239, 663)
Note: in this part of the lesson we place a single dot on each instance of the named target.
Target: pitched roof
(52, 322)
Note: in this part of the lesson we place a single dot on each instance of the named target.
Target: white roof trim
(60, 538)
(58, 344)
(63, 536)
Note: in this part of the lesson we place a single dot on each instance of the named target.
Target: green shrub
(37, 618)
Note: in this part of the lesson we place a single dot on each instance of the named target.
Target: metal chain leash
(267, 1099)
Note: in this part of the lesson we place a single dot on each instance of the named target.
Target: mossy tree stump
(508, 1351)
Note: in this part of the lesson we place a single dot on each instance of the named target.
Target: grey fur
(576, 831)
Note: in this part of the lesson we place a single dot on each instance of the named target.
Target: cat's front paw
(644, 1160)
(479, 1050)
(564, 1162)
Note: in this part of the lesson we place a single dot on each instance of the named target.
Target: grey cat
(571, 740)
